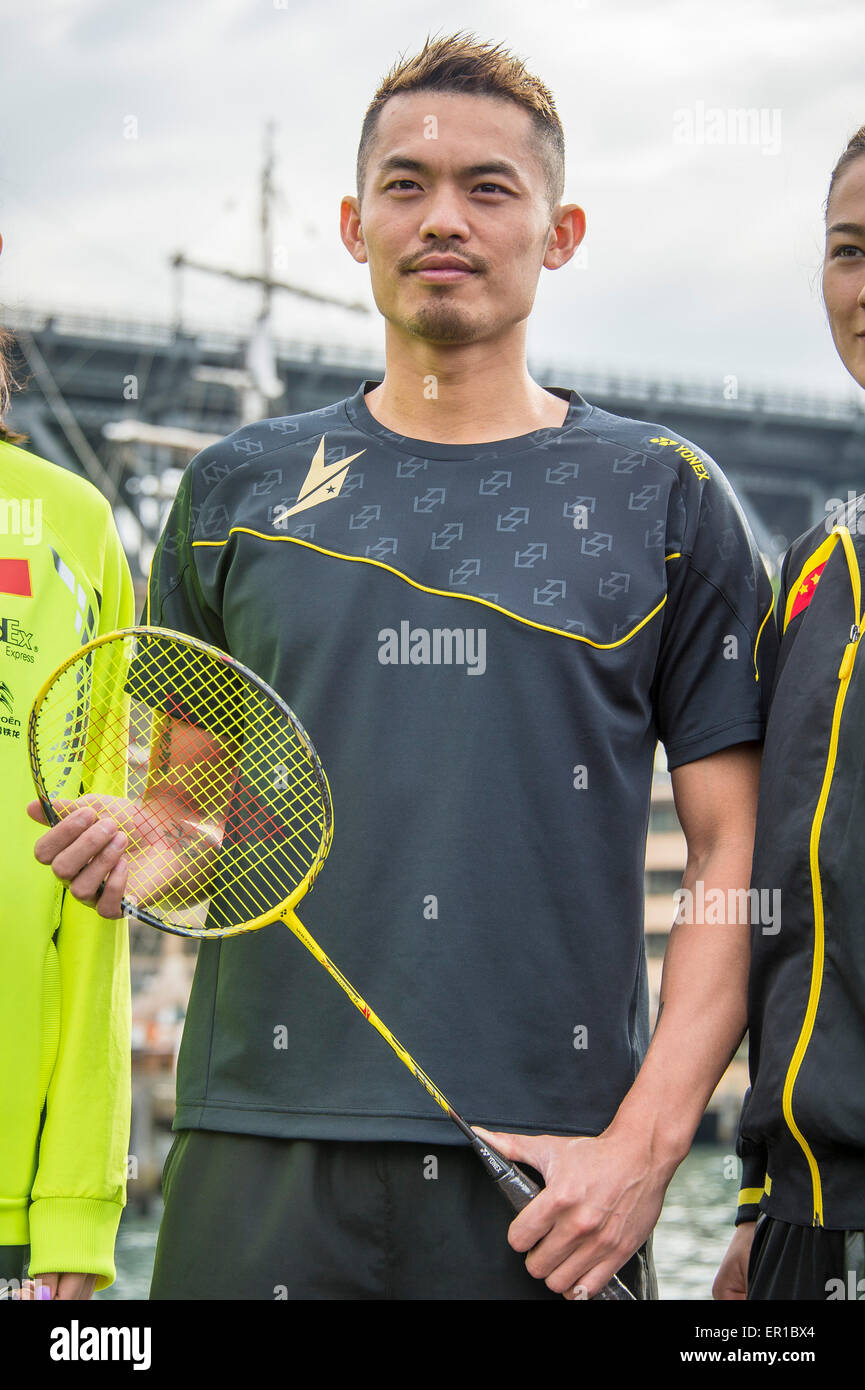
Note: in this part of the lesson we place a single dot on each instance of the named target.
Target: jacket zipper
(844, 673)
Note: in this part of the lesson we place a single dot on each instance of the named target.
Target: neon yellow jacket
(64, 971)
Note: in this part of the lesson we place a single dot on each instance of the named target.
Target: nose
(444, 215)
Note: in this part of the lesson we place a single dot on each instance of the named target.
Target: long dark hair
(855, 148)
(8, 384)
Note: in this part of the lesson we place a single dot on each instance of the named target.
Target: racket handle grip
(518, 1189)
(515, 1186)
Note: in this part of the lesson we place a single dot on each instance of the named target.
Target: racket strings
(221, 795)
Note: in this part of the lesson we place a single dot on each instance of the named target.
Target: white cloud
(699, 258)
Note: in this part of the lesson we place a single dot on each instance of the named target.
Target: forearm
(702, 1012)
(603, 1196)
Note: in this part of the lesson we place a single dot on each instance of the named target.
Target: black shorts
(805, 1262)
(248, 1217)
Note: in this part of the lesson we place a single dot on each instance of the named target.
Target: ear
(350, 228)
(565, 236)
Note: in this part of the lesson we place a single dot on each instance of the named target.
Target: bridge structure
(128, 402)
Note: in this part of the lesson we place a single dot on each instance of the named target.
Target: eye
(491, 187)
(398, 184)
(840, 252)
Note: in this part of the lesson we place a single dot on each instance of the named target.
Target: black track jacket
(802, 1132)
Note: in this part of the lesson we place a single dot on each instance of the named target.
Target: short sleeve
(174, 595)
(118, 598)
(718, 645)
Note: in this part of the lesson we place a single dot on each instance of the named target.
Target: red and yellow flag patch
(801, 593)
(805, 590)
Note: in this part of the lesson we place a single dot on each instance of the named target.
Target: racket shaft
(295, 925)
(512, 1182)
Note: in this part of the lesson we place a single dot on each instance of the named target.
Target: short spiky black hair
(460, 63)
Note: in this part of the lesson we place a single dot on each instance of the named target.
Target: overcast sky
(135, 129)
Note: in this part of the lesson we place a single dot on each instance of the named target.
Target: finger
(531, 1227)
(586, 1285)
(89, 885)
(62, 808)
(536, 1219)
(526, 1148)
(63, 834)
(562, 1252)
(109, 903)
(577, 1240)
(41, 1289)
(73, 860)
(588, 1262)
(500, 1141)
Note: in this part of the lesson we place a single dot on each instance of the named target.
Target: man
(64, 976)
(486, 600)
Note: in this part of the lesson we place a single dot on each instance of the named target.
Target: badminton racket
(223, 800)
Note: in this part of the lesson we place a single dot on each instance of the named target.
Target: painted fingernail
(43, 1293)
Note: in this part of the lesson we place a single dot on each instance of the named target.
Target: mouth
(444, 270)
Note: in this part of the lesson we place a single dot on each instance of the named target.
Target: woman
(802, 1132)
(64, 973)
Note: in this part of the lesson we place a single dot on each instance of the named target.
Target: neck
(465, 393)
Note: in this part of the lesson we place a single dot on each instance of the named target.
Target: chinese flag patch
(805, 590)
(15, 578)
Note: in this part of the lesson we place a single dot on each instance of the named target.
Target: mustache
(407, 263)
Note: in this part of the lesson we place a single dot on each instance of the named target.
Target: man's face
(844, 268)
(454, 216)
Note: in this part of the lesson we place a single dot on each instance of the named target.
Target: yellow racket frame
(165, 635)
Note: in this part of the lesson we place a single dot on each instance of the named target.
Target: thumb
(521, 1148)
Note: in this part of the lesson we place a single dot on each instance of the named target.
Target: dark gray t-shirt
(485, 644)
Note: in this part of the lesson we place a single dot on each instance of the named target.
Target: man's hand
(58, 1287)
(731, 1281)
(601, 1200)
